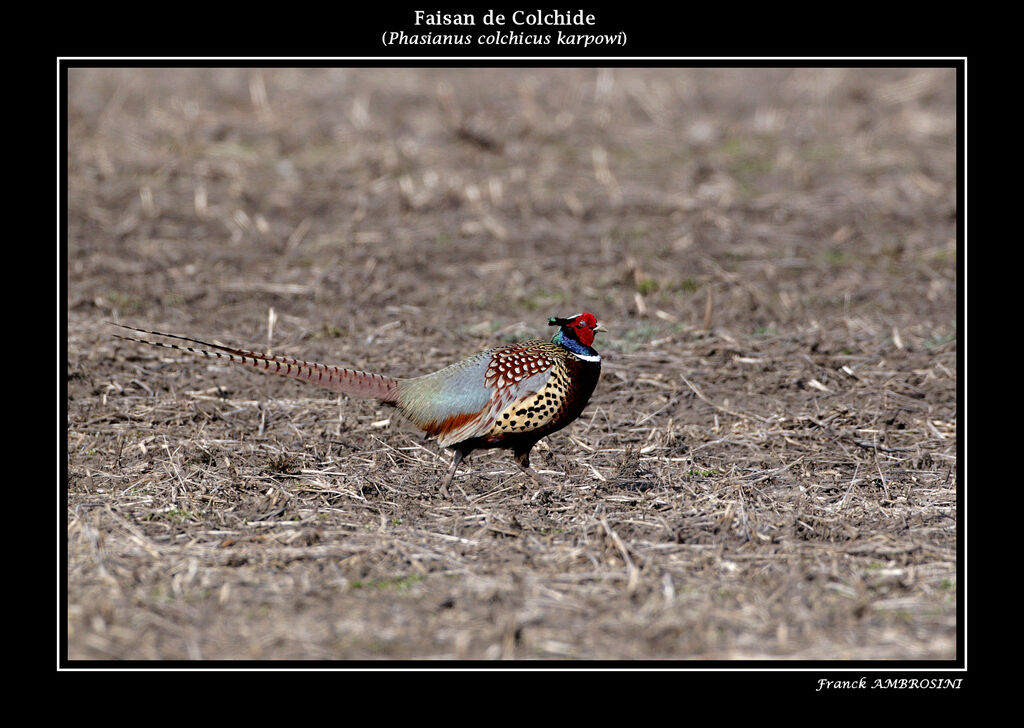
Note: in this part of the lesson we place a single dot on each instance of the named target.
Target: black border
(757, 676)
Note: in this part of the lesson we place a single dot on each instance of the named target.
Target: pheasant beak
(600, 329)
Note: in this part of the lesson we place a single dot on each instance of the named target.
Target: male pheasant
(507, 397)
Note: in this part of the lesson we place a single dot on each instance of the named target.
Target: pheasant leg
(523, 461)
(456, 459)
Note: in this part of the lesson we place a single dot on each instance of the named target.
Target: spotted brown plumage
(507, 397)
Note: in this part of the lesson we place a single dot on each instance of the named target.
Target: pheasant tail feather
(337, 379)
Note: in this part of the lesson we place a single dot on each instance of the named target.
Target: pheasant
(507, 397)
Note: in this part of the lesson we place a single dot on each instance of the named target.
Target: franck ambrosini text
(890, 684)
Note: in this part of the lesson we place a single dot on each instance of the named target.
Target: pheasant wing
(465, 400)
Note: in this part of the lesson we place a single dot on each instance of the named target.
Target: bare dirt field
(767, 469)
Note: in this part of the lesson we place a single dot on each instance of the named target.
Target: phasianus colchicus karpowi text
(507, 397)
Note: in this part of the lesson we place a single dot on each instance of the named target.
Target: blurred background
(453, 198)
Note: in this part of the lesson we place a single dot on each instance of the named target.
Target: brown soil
(768, 468)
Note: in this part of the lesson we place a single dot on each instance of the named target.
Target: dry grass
(768, 469)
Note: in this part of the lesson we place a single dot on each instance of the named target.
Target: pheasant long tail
(338, 379)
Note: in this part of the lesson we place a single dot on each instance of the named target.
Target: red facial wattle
(584, 326)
